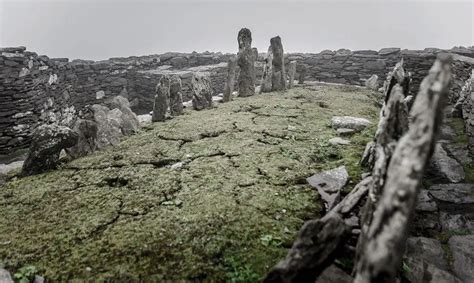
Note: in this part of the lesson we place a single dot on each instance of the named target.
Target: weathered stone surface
(339, 141)
(108, 130)
(160, 106)
(425, 202)
(130, 121)
(453, 193)
(462, 248)
(329, 184)
(380, 253)
(343, 132)
(334, 274)
(451, 221)
(348, 122)
(87, 138)
(460, 152)
(202, 91)
(246, 62)
(230, 79)
(5, 276)
(268, 71)
(443, 168)
(291, 73)
(46, 145)
(279, 74)
(302, 74)
(372, 83)
(387, 51)
(176, 96)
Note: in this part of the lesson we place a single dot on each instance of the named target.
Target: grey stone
(459, 152)
(46, 145)
(246, 62)
(160, 105)
(108, 130)
(302, 74)
(329, 184)
(388, 51)
(278, 74)
(425, 202)
(339, 141)
(130, 123)
(462, 248)
(291, 73)
(334, 274)
(202, 91)
(87, 138)
(348, 122)
(457, 222)
(176, 96)
(267, 72)
(453, 193)
(443, 168)
(230, 79)
(5, 276)
(372, 83)
(343, 132)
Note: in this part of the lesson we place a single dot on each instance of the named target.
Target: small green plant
(241, 273)
(25, 274)
(405, 268)
(269, 240)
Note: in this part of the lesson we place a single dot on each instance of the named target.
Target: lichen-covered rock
(444, 168)
(46, 145)
(348, 122)
(462, 248)
(329, 184)
(160, 106)
(372, 83)
(176, 96)
(202, 91)
(230, 79)
(267, 72)
(130, 121)
(87, 138)
(246, 62)
(291, 73)
(278, 74)
(109, 130)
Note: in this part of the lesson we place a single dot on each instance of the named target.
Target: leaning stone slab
(329, 184)
(348, 122)
(130, 121)
(462, 248)
(46, 145)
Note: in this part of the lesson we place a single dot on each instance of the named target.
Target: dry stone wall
(32, 86)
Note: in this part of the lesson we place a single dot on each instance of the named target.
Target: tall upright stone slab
(291, 73)
(161, 100)
(279, 74)
(267, 72)
(202, 91)
(246, 60)
(230, 79)
(302, 74)
(176, 96)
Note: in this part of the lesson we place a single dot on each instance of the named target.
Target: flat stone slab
(462, 248)
(456, 221)
(443, 168)
(453, 193)
(348, 122)
(329, 184)
(425, 202)
(339, 141)
(344, 132)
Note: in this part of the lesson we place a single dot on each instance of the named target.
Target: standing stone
(46, 145)
(246, 60)
(230, 80)
(267, 72)
(130, 120)
(279, 75)
(202, 91)
(302, 74)
(161, 100)
(372, 83)
(291, 73)
(176, 96)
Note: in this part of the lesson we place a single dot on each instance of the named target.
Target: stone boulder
(202, 91)
(329, 184)
(348, 122)
(46, 145)
(5, 276)
(109, 129)
(372, 83)
(462, 248)
(87, 138)
(443, 168)
(176, 96)
(160, 106)
(130, 121)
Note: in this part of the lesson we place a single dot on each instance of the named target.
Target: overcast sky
(101, 29)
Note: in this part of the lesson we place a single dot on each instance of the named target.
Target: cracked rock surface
(205, 196)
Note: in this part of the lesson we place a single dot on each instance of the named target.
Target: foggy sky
(104, 28)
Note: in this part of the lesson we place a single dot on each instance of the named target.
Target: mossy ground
(229, 213)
